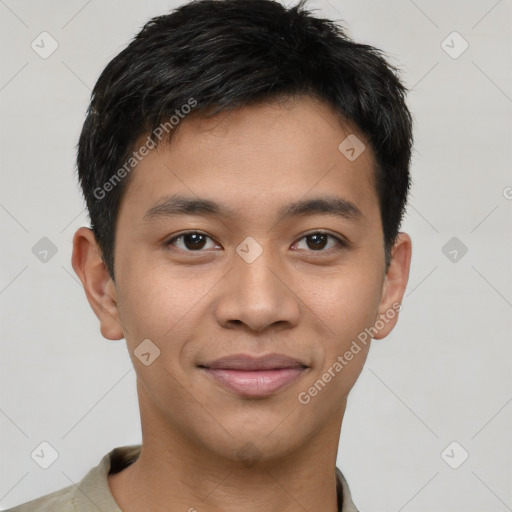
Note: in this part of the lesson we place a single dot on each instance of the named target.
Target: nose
(258, 295)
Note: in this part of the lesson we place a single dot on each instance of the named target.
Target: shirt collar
(95, 482)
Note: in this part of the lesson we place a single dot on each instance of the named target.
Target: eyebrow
(177, 205)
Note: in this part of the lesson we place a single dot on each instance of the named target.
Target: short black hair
(220, 55)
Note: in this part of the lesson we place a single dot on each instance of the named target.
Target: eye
(192, 241)
(195, 241)
(319, 240)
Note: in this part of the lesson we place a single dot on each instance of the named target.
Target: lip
(254, 376)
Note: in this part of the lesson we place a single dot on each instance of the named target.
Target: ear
(394, 285)
(99, 287)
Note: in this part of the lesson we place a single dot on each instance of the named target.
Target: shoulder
(344, 494)
(58, 501)
(92, 493)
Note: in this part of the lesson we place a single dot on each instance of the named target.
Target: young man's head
(246, 170)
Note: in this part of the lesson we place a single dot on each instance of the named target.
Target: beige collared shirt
(92, 493)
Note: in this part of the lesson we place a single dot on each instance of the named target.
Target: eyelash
(342, 244)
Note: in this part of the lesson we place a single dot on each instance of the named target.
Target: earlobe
(98, 286)
(394, 285)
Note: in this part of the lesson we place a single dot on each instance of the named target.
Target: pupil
(197, 242)
(319, 241)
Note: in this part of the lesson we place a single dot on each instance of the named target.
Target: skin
(203, 304)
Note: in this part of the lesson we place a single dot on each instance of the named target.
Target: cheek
(346, 302)
(158, 299)
(346, 305)
(159, 307)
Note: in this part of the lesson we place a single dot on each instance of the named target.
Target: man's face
(253, 283)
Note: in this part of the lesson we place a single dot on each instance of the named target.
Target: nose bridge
(258, 279)
(254, 292)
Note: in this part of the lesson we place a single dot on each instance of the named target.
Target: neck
(174, 472)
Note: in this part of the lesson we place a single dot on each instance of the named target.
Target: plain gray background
(442, 376)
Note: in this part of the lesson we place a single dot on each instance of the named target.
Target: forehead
(257, 156)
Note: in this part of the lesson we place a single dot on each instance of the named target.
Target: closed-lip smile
(254, 376)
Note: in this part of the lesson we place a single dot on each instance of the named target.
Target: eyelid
(340, 240)
(176, 236)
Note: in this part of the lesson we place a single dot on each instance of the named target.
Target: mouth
(254, 377)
